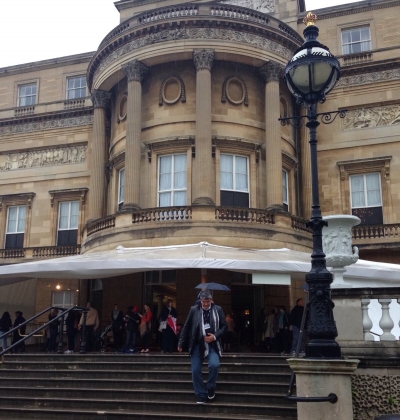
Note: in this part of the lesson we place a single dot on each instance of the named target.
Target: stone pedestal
(319, 378)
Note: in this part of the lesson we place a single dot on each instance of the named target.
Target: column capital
(203, 59)
(100, 99)
(271, 71)
(135, 71)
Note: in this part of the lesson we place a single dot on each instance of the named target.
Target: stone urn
(336, 239)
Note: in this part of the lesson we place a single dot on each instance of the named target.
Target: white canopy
(121, 261)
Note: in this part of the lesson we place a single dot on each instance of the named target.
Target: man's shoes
(201, 400)
(211, 393)
(132, 350)
(69, 352)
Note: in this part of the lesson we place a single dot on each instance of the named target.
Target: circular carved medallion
(235, 90)
(172, 90)
(122, 108)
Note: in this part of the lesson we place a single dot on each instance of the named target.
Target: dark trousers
(284, 345)
(71, 339)
(117, 334)
(89, 337)
(146, 340)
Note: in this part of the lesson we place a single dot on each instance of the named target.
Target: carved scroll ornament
(226, 94)
(163, 95)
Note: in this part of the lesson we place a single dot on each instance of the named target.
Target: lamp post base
(323, 348)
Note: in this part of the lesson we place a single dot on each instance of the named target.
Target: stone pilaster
(100, 101)
(135, 72)
(203, 179)
(271, 72)
(319, 378)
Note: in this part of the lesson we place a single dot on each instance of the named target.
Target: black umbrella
(213, 286)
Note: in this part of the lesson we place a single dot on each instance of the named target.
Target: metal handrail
(60, 341)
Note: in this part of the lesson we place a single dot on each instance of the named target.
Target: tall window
(172, 181)
(27, 94)
(356, 40)
(285, 190)
(76, 87)
(68, 212)
(366, 198)
(234, 181)
(121, 187)
(15, 227)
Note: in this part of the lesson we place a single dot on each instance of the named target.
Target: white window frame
(350, 44)
(18, 218)
(234, 173)
(171, 190)
(69, 215)
(22, 99)
(74, 89)
(66, 302)
(121, 187)
(365, 191)
(285, 187)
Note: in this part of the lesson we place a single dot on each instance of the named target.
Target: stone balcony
(375, 236)
(13, 256)
(237, 227)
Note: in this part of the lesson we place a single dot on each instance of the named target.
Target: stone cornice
(140, 31)
(382, 75)
(49, 121)
(344, 10)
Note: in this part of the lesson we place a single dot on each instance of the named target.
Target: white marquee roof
(121, 261)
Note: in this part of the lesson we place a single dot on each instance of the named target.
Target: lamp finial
(310, 19)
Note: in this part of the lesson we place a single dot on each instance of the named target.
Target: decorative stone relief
(375, 395)
(172, 89)
(45, 157)
(203, 59)
(271, 72)
(100, 99)
(371, 117)
(235, 90)
(135, 71)
(196, 33)
(265, 6)
(362, 79)
(46, 125)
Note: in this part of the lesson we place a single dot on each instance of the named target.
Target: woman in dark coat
(169, 341)
(5, 326)
(283, 325)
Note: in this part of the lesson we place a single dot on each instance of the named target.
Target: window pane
(64, 215)
(74, 215)
(179, 198)
(21, 218)
(226, 172)
(364, 34)
(241, 173)
(179, 171)
(373, 189)
(165, 199)
(346, 38)
(12, 219)
(355, 35)
(357, 191)
(121, 182)
(165, 173)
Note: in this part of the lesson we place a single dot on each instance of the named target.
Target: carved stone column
(271, 73)
(135, 72)
(97, 190)
(203, 179)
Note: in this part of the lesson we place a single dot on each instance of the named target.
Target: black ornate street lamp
(310, 75)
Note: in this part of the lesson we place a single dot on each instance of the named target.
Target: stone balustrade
(359, 58)
(162, 214)
(56, 251)
(100, 224)
(376, 231)
(25, 110)
(244, 215)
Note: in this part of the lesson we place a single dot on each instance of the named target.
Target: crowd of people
(277, 329)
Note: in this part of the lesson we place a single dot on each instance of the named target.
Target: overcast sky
(32, 30)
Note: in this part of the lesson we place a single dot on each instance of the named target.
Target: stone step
(140, 375)
(255, 359)
(164, 407)
(138, 363)
(155, 384)
(139, 394)
(8, 412)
